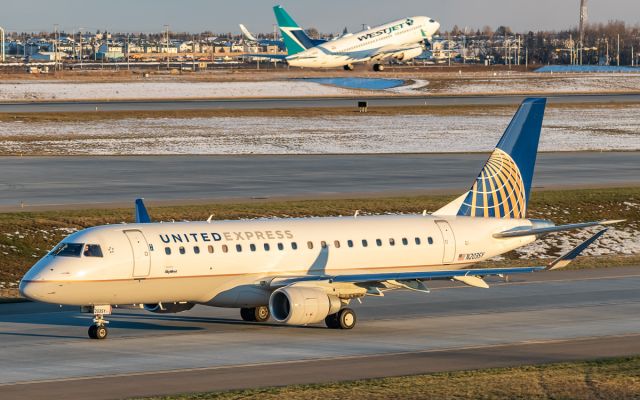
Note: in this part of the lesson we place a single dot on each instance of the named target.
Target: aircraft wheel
(248, 314)
(332, 321)
(378, 67)
(101, 332)
(346, 318)
(92, 331)
(261, 314)
(348, 67)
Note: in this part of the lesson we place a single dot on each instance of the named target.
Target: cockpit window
(92, 250)
(68, 250)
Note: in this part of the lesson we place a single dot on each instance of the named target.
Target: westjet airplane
(304, 270)
(400, 40)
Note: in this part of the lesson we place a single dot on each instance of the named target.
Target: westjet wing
(404, 52)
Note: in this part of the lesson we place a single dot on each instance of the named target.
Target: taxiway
(303, 102)
(543, 317)
(116, 180)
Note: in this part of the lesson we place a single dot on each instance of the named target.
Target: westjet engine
(302, 305)
(408, 54)
(168, 308)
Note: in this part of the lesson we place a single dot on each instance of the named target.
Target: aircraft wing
(388, 51)
(468, 276)
(413, 280)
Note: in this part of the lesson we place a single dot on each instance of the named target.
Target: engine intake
(169, 308)
(302, 305)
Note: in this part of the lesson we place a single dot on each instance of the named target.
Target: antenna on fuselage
(355, 215)
(210, 218)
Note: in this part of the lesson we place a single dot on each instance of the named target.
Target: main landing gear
(343, 319)
(255, 314)
(378, 67)
(348, 67)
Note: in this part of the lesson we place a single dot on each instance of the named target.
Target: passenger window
(364, 243)
(167, 251)
(280, 246)
(430, 240)
(310, 245)
(210, 248)
(267, 247)
(336, 244)
(417, 240)
(379, 242)
(405, 241)
(350, 243)
(392, 242)
(92, 250)
(181, 249)
(239, 248)
(323, 244)
(196, 249)
(294, 245)
(225, 248)
(252, 247)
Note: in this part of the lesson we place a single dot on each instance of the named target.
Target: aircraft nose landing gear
(99, 328)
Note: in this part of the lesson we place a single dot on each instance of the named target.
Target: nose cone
(29, 290)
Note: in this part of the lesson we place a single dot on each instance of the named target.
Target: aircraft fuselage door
(449, 242)
(141, 256)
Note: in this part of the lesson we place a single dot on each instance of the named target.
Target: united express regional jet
(304, 270)
(400, 40)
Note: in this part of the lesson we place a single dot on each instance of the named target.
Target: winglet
(142, 216)
(569, 256)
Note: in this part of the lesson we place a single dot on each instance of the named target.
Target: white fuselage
(225, 263)
(401, 39)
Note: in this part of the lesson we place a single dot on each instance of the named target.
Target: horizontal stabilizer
(569, 256)
(517, 232)
(142, 216)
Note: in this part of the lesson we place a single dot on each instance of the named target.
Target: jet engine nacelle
(168, 308)
(409, 54)
(302, 305)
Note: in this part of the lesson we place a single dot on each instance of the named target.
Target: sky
(326, 15)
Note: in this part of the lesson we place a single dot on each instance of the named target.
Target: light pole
(2, 41)
(55, 46)
(166, 27)
(80, 30)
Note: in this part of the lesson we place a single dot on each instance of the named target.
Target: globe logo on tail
(498, 192)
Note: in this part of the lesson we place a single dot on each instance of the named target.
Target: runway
(285, 103)
(60, 181)
(544, 317)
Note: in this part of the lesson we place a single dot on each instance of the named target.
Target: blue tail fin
(502, 188)
(142, 216)
(295, 39)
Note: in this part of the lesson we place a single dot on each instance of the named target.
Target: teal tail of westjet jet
(295, 38)
(502, 188)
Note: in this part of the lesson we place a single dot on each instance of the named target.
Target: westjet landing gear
(378, 67)
(343, 319)
(255, 314)
(348, 67)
